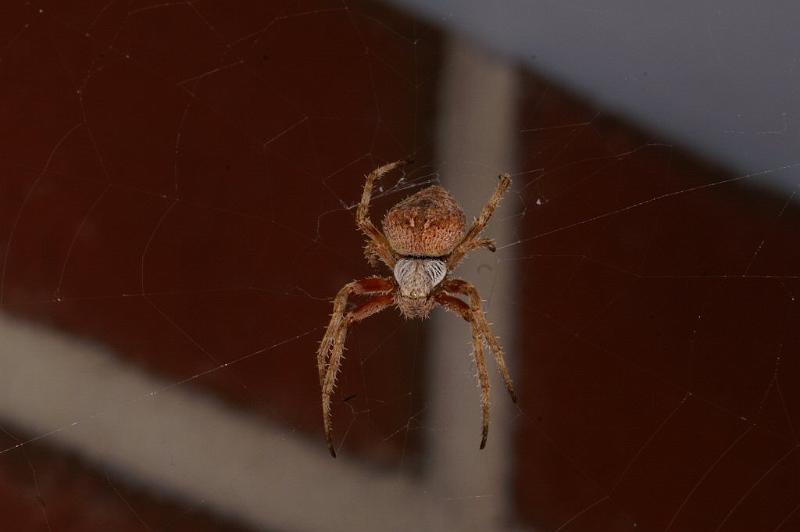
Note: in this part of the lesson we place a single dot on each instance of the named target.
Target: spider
(423, 240)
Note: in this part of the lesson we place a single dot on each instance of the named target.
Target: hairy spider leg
(457, 306)
(487, 243)
(365, 310)
(369, 285)
(471, 241)
(378, 245)
(459, 286)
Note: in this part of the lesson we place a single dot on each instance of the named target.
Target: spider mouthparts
(333, 452)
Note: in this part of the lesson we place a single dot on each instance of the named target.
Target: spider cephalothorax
(425, 239)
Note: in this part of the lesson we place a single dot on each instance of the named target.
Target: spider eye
(436, 270)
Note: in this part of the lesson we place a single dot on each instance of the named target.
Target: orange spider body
(422, 229)
(425, 239)
(429, 223)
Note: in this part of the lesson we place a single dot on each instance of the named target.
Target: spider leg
(370, 285)
(365, 310)
(487, 243)
(380, 246)
(460, 286)
(457, 306)
(469, 242)
(371, 254)
(483, 378)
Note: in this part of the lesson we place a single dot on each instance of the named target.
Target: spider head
(429, 223)
(418, 277)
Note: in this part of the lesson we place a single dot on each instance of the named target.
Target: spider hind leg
(471, 241)
(377, 245)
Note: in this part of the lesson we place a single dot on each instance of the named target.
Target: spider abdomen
(429, 223)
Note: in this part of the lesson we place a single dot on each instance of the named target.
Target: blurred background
(178, 183)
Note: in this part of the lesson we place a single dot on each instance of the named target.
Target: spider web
(179, 187)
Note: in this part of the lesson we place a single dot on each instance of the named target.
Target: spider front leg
(365, 310)
(459, 286)
(378, 245)
(370, 285)
(457, 306)
(470, 241)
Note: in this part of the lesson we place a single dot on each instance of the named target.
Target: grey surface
(478, 93)
(722, 77)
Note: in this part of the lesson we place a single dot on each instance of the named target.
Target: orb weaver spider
(424, 238)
